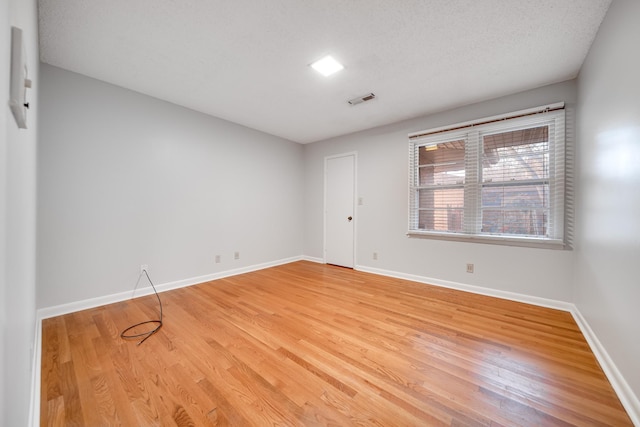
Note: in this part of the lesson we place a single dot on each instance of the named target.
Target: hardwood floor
(310, 344)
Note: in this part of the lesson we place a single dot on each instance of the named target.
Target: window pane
(516, 155)
(516, 196)
(441, 209)
(441, 164)
(525, 222)
(511, 202)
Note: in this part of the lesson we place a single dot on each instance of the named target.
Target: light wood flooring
(307, 344)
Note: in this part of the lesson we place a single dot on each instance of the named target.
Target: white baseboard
(36, 375)
(513, 296)
(313, 259)
(626, 395)
(72, 307)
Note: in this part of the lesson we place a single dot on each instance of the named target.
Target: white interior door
(339, 210)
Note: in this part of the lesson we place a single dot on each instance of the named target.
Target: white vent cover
(361, 99)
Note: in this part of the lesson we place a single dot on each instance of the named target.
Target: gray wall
(17, 221)
(607, 282)
(126, 179)
(382, 219)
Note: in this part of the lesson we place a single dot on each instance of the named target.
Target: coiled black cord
(125, 335)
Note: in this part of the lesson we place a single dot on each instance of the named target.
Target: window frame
(472, 134)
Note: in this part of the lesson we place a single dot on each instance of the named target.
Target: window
(498, 180)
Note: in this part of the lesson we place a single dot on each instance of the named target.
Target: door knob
(349, 218)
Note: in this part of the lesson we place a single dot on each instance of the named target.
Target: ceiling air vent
(361, 99)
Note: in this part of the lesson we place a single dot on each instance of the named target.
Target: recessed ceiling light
(327, 66)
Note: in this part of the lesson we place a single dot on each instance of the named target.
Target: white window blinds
(501, 178)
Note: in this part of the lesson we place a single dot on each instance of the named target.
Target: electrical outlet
(144, 267)
(236, 255)
(469, 268)
(217, 259)
(375, 256)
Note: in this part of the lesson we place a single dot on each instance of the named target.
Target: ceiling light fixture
(327, 66)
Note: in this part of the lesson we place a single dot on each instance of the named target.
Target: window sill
(527, 242)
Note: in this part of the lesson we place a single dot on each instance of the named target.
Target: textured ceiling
(247, 60)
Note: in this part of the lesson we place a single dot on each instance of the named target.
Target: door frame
(353, 154)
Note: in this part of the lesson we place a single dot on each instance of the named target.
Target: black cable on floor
(125, 335)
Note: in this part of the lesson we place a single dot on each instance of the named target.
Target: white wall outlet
(217, 259)
(236, 255)
(144, 267)
(469, 268)
(375, 256)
